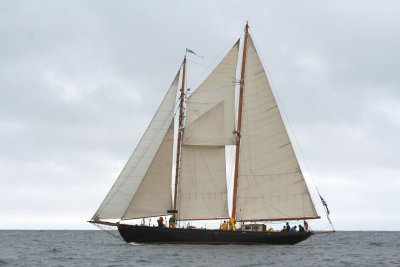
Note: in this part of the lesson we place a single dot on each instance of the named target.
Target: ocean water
(100, 248)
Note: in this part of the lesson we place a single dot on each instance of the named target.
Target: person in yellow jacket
(224, 226)
(232, 222)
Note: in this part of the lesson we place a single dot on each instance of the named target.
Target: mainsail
(210, 118)
(270, 183)
(134, 178)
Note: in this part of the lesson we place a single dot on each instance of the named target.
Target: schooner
(268, 184)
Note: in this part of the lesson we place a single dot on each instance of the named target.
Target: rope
(109, 230)
(230, 44)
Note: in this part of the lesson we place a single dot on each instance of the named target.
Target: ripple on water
(54, 250)
(83, 248)
(4, 262)
(376, 244)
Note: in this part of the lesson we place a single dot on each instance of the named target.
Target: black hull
(147, 234)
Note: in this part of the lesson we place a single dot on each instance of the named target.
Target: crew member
(224, 226)
(160, 222)
(172, 222)
(305, 225)
(287, 227)
(232, 222)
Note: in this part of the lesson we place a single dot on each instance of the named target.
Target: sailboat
(189, 182)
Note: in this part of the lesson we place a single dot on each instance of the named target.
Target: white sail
(210, 115)
(210, 120)
(153, 197)
(202, 192)
(270, 183)
(124, 189)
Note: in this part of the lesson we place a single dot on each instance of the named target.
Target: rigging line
(219, 72)
(208, 169)
(262, 196)
(265, 202)
(275, 92)
(209, 173)
(108, 231)
(212, 89)
(141, 156)
(141, 182)
(230, 44)
(158, 130)
(144, 151)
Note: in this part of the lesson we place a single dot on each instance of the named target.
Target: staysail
(270, 183)
(152, 150)
(210, 118)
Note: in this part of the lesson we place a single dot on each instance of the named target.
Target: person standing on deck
(160, 222)
(232, 222)
(287, 227)
(305, 225)
(224, 226)
(172, 222)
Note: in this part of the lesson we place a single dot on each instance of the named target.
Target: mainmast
(239, 124)
(180, 129)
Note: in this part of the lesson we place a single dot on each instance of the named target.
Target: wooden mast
(239, 125)
(180, 129)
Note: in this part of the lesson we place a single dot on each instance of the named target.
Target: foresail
(210, 123)
(116, 203)
(153, 197)
(270, 184)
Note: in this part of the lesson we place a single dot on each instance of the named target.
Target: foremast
(239, 122)
(179, 139)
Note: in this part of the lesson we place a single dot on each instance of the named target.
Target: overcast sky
(80, 81)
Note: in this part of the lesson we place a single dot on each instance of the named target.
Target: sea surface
(102, 248)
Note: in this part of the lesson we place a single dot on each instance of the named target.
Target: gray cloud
(80, 81)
